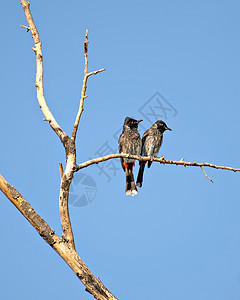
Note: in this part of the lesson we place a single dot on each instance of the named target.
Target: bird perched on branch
(151, 143)
(130, 143)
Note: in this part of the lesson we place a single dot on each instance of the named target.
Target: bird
(130, 143)
(151, 143)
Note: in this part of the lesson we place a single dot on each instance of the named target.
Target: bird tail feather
(140, 174)
(130, 183)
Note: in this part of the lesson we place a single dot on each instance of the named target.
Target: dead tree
(64, 245)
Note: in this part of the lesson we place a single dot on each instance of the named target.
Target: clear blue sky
(179, 238)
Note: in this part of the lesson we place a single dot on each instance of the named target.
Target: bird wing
(130, 143)
(151, 143)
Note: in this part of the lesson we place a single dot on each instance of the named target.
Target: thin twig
(28, 28)
(84, 87)
(206, 175)
(95, 72)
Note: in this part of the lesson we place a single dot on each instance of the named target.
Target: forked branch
(65, 139)
(63, 245)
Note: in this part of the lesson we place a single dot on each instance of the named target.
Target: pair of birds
(130, 142)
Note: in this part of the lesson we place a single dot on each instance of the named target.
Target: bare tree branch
(63, 205)
(161, 160)
(39, 75)
(46, 232)
(69, 254)
(84, 87)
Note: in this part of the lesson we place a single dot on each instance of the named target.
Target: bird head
(131, 122)
(162, 126)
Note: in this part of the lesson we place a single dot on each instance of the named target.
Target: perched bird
(151, 143)
(130, 142)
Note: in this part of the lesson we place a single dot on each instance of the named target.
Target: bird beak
(168, 129)
(138, 121)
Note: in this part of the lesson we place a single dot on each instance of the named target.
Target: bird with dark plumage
(151, 143)
(130, 143)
